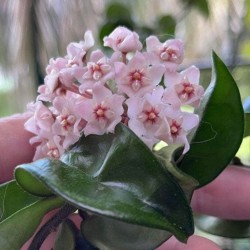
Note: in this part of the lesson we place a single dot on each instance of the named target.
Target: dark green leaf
(110, 234)
(166, 25)
(13, 198)
(223, 227)
(166, 156)
(33, 186)
(116, 175)
(220, 132)
(65, 238)
(20, 226)
(247, 124)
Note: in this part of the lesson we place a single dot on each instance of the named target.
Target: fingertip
(227, 196)
(194, 243)
(14, 145)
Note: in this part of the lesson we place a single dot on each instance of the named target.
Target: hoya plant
(122, 140)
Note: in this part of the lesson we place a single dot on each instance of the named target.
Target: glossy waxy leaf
(166, 156)
(31, 185)
(221, 128)
(110, 234)
(223, 227)
(65, 238)
(116, 175)
(18, 227)
(13, 198)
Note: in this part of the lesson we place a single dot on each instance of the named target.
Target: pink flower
(57, 83)
(51, 148)
(170, 53)
(55, 65)
(76, 51)
(98, 70)
(103, 112)
(40, 124)
(47, 91)
(68, 122)
(69, 76)
(184, 89)
(175, 127)
(123, 40)
(41, 121)
(88, 93)
(145, 115)
(137, 77)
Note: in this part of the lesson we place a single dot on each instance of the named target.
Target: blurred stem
(51, 226)
(34, 42)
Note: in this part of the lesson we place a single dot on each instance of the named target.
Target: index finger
(14, 145)
(227, 196)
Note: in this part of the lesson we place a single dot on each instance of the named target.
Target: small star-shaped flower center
(136, 79)
(151, 115)
(175, 128)
(66, 121)
(99, 112)
(53, 153)
(168, 54)
(185, 91)
(96, 71)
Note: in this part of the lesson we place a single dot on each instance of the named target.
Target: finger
(194, 243)
(49, 241)
(14, 145)
(227, 196)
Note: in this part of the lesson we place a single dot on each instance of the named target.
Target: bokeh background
(33, 31)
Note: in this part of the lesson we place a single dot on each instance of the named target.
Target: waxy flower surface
(87, 92)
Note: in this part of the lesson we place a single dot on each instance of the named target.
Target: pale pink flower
(71, 75)
(183, 89)
(68, 122)
(145, 115)
(123, 40)
(103, 112)
(76, 52)
(41, 121)
(40, 124)
(51, 82)
(55, 65)
(170, 53)
(175, 127)
(47, 91)
(58, 82)
(50, 147)
(98, 70)
(88, 93)
(137, 77)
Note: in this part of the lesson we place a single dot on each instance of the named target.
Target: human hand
(219, 198)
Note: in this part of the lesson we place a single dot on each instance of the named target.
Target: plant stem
(51, 226)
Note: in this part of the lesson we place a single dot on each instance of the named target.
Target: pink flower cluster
(87, 92)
